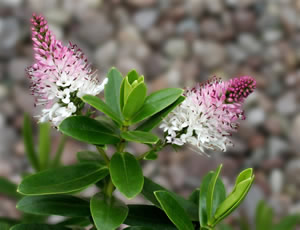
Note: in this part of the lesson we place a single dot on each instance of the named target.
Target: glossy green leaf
(38, 227)
(216, 194)
(132, 76)
(108, 212)
(148, 215)
(62, 205)
(263, 216)
(156, 119)
(148, 192)
(44, 144)
(100, 105)
(288, 223)
(112, 91)
(89, 156)
(29, 144)
(75, 221)
(126, 174)
(224, 227)
(203, 217)
(8, 188)
(60, 180)
(140, 136)
(135, 100)
(88, 130)
(156, 102)
(139, 228)
(245, 180)
(174, 211)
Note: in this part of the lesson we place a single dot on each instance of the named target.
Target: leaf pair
(214, 206)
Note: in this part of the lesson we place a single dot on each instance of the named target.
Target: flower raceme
(60, 75)
(209, 114)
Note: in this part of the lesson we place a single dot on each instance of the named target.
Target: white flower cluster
(191, 123)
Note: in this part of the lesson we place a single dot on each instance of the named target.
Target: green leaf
(194, 197)
(225, 227)
(126, 174)
(156, 102)
(148, 192)
(135, 100)
(44, 144)
(108, 212)
(62, 205)
(88, 130)
(203, 217)
(60, 180)
(173, 210)
(38, 227)
(4, 226)
(132, 76)
(236, 196)
(139, 228)
(29, 144)
(140, 136)
(148, 215)
(60, 149)
(216, 194)
(8, 188)
(287, 223)
(156, 119)
(112, 91)
(100, 105)
(90, 157)
(75, 221)
(263, 216)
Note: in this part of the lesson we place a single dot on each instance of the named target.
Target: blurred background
(174, 43)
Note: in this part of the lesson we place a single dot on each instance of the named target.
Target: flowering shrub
(203, 116)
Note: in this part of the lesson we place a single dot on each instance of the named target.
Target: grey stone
(287, 104)
(145, 19)
(176, 48)
(9, 35)
(256, 116)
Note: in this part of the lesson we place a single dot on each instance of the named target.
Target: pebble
(145, 19)
(176, 48)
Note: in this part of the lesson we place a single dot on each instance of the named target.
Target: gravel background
(174, 43)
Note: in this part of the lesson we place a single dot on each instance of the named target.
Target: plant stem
(103, 154)
(141, 157)
(57, 158)
(110, 188)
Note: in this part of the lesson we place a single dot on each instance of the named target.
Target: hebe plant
(129, 115)
(203, 117)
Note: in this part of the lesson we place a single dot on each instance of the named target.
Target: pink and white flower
(209, 114)
(60, 75)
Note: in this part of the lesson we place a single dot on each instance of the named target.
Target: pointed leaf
(60, 180)
(28, 142)
(174, 211)
(108, 212)
(100, 105)
(148, 192)
(112, 91)
(140, 136)
(88, 130)
(126, 174)
(263, 216)
(90, 157)
(151, 155)
(8, 188)
(148, 215)
(4, 226)
(156, 102)
(135, 100)
(156, 119)
(75, 221)
(62, 205)
(215, 195)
